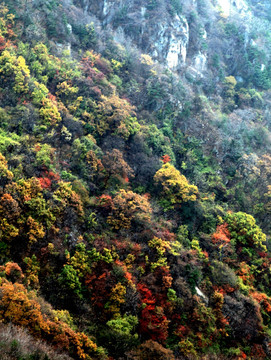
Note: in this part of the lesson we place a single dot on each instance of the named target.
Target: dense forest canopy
(135, 179)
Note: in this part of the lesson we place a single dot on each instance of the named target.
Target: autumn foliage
(175, 187)
(22, 308)
(116, 239)
(129, 207)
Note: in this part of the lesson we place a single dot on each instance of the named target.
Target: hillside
(135, 179)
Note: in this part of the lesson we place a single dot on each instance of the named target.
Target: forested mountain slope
(135, 179)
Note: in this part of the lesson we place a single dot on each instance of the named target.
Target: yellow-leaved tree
(129, 207)
(175, 187)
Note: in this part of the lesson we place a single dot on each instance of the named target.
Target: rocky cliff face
(173, 33)
(182, 35)
(154, 27)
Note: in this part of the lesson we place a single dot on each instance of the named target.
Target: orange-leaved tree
(21, 307)
(116, 166)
